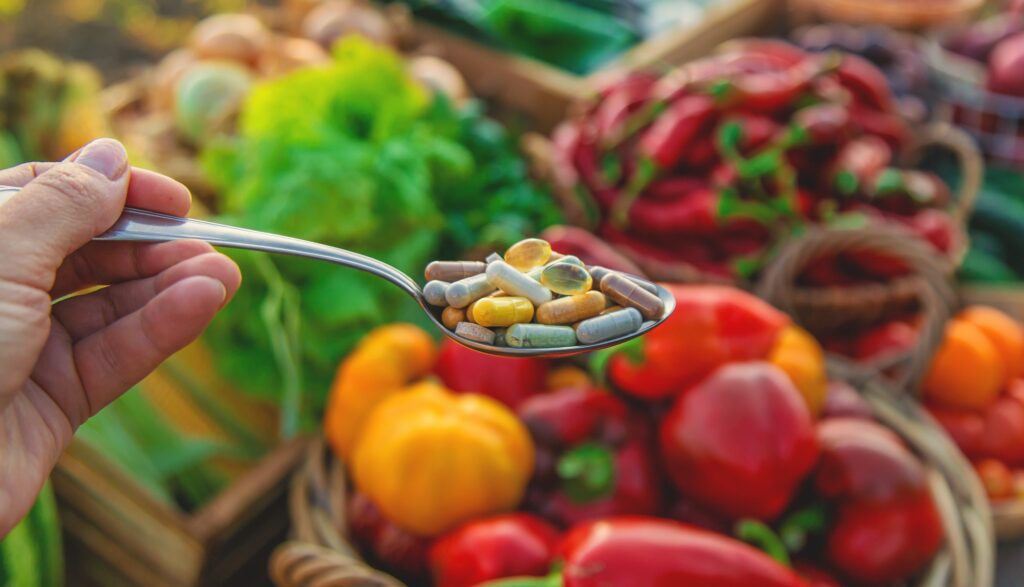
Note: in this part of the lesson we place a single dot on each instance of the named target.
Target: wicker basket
(995, 120)
(909, 14)
(830, 309)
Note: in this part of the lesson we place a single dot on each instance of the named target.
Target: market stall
(786, 230)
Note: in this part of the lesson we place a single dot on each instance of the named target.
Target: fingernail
(104, 155)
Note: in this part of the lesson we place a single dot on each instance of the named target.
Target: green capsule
(566, 279)
(539, 336)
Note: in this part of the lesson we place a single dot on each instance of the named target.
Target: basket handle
(301, 564)
(778, 286)
(971, 162)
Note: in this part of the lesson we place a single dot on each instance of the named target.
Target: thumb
(60, 211)
(52, 216)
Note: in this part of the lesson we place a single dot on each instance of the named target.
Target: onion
(439, 76)
(232, 37)
(208, 98)
(335, 19)
(287, 54)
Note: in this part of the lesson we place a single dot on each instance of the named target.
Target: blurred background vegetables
(357, 155)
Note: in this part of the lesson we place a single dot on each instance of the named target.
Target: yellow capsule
(571, 309)
(566, 279)
(527, 254)
(502, 311)
(451, 317)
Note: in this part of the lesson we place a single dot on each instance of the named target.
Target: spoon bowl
(144, 226)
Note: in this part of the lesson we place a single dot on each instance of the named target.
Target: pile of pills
(533, 297)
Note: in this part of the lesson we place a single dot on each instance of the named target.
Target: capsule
(598, 274)
(451, 317)
(566, 279)
(493, 257)
(539, 336)
(464, 292)
(434, 292)
(610, 309)
(571, 309)
(527, 254)
(504, 311)
(628, 293)
(452, 271)
(516, 283)
(475, 332)
(609, 326)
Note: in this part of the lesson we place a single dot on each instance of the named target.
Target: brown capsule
(475, 332)
(451, 317)
(598, 273)
(452, 271)
(628, 293)
(571, 309)
(610, 309)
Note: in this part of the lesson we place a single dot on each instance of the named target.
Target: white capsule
(516, 283)
(434, 292)
(466, 291)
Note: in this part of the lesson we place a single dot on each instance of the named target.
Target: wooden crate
(118, 534)
(543, 92)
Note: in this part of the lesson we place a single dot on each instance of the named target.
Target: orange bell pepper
(800, 356)
(967, 371)
(431, 459)
(387, 360)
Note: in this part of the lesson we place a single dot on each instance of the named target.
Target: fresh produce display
(355, 154)
(702, 172)
(575, 35)
(741, 465)
(510, 300)
(975, 390)
(48, 107)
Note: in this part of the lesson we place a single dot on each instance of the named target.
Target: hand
(61, 362)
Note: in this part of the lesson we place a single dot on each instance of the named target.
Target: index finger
(147, 189)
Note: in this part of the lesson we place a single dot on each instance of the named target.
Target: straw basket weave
(910, 14)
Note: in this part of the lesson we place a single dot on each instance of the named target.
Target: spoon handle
(145, 226)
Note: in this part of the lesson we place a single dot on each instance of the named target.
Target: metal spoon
(145, 226)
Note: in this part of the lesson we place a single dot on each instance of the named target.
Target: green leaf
(847, 183)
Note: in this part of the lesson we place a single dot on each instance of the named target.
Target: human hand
(62, 362)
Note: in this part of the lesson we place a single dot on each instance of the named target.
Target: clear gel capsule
(566, 279)
(527, 254)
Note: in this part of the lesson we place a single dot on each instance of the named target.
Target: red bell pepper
(659, 553)
(507, 380)
(594, 457)
(997, 432)
(401, 553)
(502, 546)
(936, 227)
(887, 526)
(740, 442)
(712, 325)
(814, 576)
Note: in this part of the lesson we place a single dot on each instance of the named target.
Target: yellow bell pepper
(386, 360)
(431, 459)
(800, 356)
